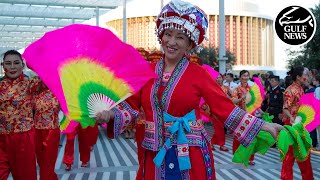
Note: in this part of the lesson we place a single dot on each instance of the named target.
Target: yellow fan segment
(85, 76)
(307, 114)
(253, 99)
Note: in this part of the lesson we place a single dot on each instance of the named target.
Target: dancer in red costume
(219, 136)
(86, 138)
(175, 142)
(17, 134)
(46, 108)
(239, 98)
(290, 109)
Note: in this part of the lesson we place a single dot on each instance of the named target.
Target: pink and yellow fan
(309, 111)
(88, 69)
(255, 96)
(66, 125)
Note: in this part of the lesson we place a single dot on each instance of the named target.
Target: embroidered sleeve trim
(123, 115)
(244, 125)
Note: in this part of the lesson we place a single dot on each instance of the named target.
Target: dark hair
(287, 81)
(270, 73)
(12, 52)
(255, 75)
(289, 73)
(298, 71)
(244, 71)
(229, 74)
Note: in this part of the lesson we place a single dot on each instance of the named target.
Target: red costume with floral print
(46, 111)
(239, 92)
(17, 143)
(46, 108)
(16, 105)
(226, 90)
(291, 98)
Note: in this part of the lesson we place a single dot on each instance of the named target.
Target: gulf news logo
(295, 25)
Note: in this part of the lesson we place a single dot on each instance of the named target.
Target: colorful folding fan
(309, 111)
(255, 96)
(66, 125)
(88, 69)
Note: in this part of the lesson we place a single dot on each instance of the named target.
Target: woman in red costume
(176, 143)
(87, 138)
(46, 108)
(17, 134)
(290, 109)
(219, 136)
(239, 98)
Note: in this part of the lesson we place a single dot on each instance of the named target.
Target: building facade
(249, 34)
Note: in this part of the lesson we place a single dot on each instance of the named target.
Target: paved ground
(116, 159)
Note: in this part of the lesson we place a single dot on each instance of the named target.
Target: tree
(209, 55)
(309, 55)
